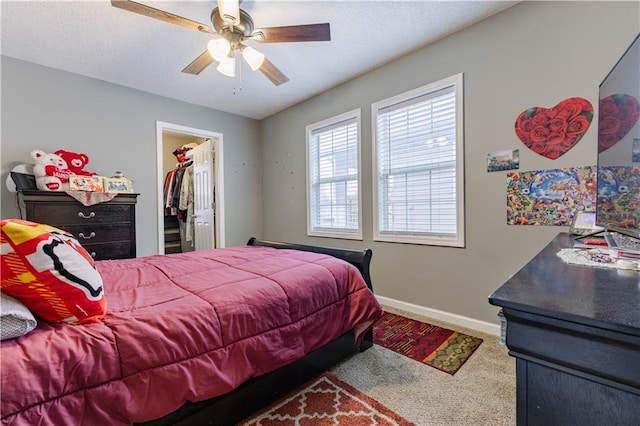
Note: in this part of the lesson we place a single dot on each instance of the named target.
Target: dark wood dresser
(575, 333)
(106, 230)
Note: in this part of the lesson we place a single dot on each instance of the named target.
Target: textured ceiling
(94, 39)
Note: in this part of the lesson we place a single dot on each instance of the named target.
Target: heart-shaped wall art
(618, 114)
(552, 132)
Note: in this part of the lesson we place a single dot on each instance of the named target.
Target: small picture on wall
(635, 151)
(503, 160)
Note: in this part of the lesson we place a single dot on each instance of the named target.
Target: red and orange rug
(438, 347)
(324, 401)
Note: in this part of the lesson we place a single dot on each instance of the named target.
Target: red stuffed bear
(76, 162)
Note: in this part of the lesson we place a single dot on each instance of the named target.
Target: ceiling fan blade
(293, 33)
(199, 64)
(273, 73)
(132, 6)
(229, 11)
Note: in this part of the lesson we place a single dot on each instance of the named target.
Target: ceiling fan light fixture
(227, 66)
(219, 48)
(231, 27)
(229, 11)
(254, 58)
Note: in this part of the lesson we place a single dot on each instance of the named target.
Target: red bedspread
(178, 328)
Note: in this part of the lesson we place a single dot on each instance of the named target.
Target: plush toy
(51, 171)
(75, 161)
(181, 153)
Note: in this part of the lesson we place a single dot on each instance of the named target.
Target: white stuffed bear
(51, 171)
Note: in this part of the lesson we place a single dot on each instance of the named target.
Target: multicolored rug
(324, 401)
(446, 350)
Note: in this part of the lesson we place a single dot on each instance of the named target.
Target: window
(333, 177)
(418, 159)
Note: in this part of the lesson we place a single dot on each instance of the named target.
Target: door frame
(217, 141)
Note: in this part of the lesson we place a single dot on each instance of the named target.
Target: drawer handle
(82, 215)
(91, 235)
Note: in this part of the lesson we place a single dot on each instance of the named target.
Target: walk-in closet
(178, 191)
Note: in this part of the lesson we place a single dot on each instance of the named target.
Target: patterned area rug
(446, 350)
(324, 401)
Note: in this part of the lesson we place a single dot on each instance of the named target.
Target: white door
(204, 196)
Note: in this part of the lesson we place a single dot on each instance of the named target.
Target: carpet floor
(438, 347)
(324, 401)
(398, 389)
(482, 393)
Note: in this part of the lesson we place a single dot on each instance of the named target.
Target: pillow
(49, 271)
(15, 319)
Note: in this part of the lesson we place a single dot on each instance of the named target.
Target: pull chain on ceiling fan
(233, 26)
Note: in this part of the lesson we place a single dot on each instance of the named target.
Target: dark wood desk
(575, 334)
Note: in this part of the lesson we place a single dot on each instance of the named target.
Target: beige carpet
(481, 393)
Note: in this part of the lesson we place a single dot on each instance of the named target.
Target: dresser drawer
(114, 250)
(91, 234)
(76, 213)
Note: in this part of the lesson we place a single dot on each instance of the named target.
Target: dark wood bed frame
(259, 392)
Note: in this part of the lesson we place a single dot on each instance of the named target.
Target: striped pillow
(49, 271)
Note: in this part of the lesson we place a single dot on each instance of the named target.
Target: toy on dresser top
(76, 162)
(51, 171)
(63, 171)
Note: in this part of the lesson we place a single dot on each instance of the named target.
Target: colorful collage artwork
(550, 197)
(618, 189)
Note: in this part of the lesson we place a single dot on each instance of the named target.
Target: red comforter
(180, 328)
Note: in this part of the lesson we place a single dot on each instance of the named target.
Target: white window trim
(356, 113)
(445, 240)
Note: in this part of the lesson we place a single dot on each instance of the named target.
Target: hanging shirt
(186, 202)
(168, 190)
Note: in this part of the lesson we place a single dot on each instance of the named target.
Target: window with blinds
(333, 177)
(418, 150)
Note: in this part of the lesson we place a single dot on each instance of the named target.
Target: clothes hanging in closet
(168, 191)
(173, 185)
(185, 203)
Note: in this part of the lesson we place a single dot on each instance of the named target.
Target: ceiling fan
(233, 26)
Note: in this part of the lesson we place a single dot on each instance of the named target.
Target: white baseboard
(467, 322)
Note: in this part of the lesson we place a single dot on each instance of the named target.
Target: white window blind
(333, 177)
(419, 174)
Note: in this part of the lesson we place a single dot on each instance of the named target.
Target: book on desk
(621, 247)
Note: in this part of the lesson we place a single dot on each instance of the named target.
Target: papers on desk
(598, 257)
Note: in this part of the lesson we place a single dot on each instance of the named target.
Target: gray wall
(534, 54)
(115, 126)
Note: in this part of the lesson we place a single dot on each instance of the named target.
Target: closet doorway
(208, 188)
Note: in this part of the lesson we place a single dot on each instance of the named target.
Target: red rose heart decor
(618, 114)
(554, 131)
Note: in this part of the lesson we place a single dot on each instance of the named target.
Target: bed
(196, 338)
